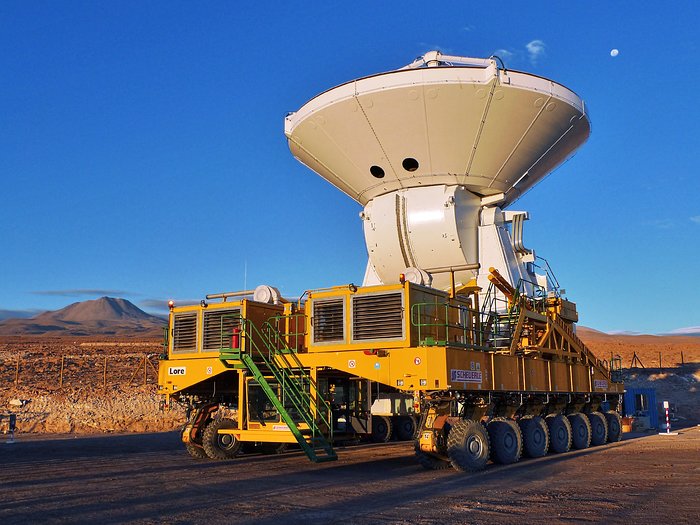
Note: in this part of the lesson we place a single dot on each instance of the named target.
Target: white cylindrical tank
(425, 227)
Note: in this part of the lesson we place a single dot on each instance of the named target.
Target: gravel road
(148, 478)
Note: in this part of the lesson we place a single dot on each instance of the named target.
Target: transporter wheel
(273, 448)
(559, 433)
(614, 426)
(506, 440)
(195, 451)
(468, 446)
(220, 446)
(405, 428)
(599, 428)
(429, 462)
(381, 429)
(535, 436)
(580, 430)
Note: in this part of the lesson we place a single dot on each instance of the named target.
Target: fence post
(60, 384)
(17, 371)
(660, 362)
(104, 374)
(145, 370)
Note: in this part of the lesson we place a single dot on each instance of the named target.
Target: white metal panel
(479, 127)
(426, 228)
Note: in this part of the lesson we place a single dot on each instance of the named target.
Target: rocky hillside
(104, 316)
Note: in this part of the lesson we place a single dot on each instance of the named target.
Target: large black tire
(429, 462)
(381, 429)
(220, 446)
(599, 428)
(468, 446)
(580, 431)
(405, 428)
(506, 440)
(559, 433)
(535, 436)
(614, 426)
(195, 451)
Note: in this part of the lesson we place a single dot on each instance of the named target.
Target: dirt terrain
(71, 476)
(677, 380)
(105, 389)
(148, 478)
(674, 349)
(82, 385)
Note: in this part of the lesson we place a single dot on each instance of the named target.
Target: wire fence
(86, 371)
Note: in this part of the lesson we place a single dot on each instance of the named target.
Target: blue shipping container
(641, 402)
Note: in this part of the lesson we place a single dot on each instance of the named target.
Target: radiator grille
(185, 332)
(377, 317)
(328, 321)
(218, 326)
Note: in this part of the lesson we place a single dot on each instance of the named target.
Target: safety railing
(290, 329)
(498, 317)
(265, 352)
(445, 324)
(551, 278)
(535, 300)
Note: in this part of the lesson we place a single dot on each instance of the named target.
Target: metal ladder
(276, 359)
(497, 326)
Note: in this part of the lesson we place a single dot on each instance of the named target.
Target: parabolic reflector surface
(490, 130)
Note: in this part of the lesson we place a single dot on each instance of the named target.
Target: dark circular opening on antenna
(376, 171)
(410, 164)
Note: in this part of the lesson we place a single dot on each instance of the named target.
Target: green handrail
(435, 328)
(293, 380)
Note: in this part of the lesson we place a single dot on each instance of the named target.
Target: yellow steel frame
(555, 361)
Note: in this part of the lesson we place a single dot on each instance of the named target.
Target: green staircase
(265, 353)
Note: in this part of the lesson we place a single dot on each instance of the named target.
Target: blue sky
(142, 152)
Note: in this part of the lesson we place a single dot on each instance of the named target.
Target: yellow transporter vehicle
(436, 153)
(243, 356)
(490, 382)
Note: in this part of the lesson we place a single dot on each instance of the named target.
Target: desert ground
(148, 478)
(82, 385)
(93, 446)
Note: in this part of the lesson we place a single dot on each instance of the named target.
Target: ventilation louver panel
(329, 321)
(185, 332)
(377, 317)
(218, 327)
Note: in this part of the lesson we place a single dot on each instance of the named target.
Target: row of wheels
(225, 446)
(213, 445)
(384, 428)
(470, 444)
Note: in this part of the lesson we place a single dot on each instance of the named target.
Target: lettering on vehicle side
(280, 427)
(600, 383)
(466, 376)
(177, 370)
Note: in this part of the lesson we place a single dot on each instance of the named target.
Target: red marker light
(171, 304)
(402, 278)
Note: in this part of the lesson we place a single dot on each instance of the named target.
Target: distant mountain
(104, 316)
(18, 314)
(689, 331)
(590, 334)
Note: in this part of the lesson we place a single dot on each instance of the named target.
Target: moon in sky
(614, 53)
